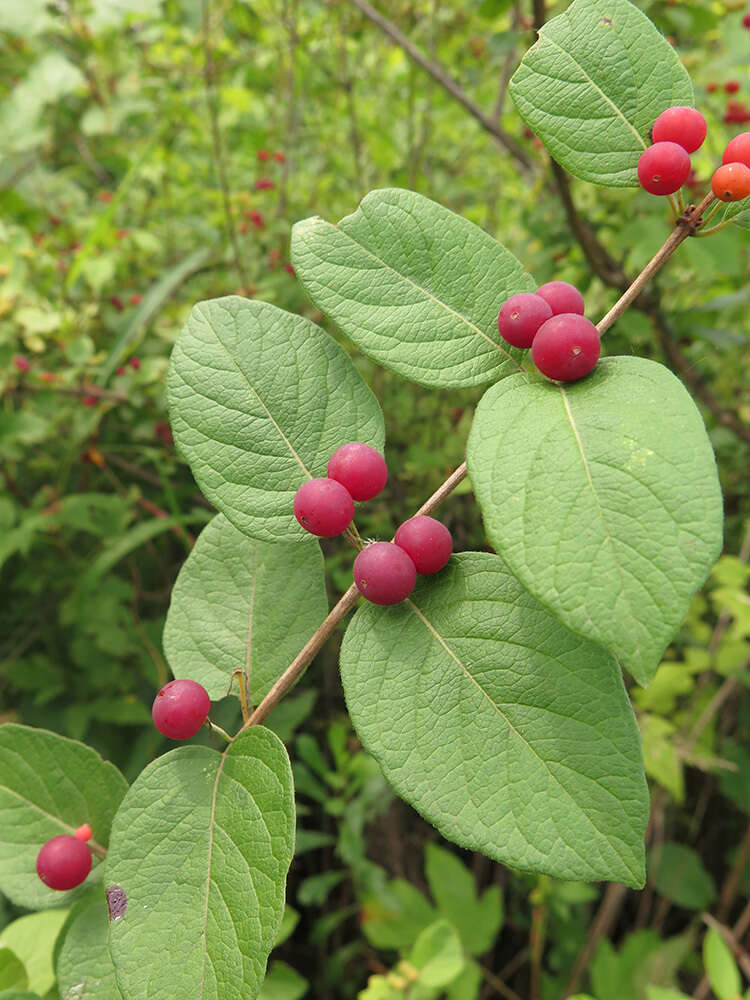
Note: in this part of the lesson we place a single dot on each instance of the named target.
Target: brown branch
(732, 881)
(497, 984)
(607, 914)
(437, 72)
(76, 390)
(313, 646)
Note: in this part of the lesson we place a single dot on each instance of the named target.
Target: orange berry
(731, 182)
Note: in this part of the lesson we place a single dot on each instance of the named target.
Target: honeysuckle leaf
(32, 939)
(593, 84)
(259, 399)
(506, 731)
(84, 965)
(196, 870)
(603, 498)
(415, 286)
(49, 785)
(242, 604)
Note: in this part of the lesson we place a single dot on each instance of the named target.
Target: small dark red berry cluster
(564, 344)
(665, 166)
(384, 572)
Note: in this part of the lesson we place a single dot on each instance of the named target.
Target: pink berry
(427, 542)
(135, 363)
(360, 468)
(84, 833)
(738, 150)
(384, 573)
(21, 363)
(263, 155)
(566, 348)
(732, 86)
(683, 125)
(746, 21)
(279, 157)
(561, 297)
(323, 507)
(264, 184)
(90, 400)
(663, 168)
(521, 316)
(180, 709)
(63, 862)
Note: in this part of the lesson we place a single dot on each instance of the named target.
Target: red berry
(117, 303)
(135, 363)
(63, 862)
(567, 347)
(663, 168)
(561, 297)
(105, 196)
(738, 150)
(120, 370)
(279, 157)
(427, 542)
(84, 833)
(290, 270)
(712, 87)
(323, 507)
(732, 86)
(257, 219)
(263, 155)
(47, 376)
(264, 184)
(521, 316)
(121, 234)
(180, 709)
(746, 21)
(90, 400)
(731, 182)
(21, 363)
(384, 573)
(360, 468)
(683, 125)
(135, 300)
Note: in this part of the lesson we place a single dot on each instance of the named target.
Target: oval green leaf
(48, 785)
(603, 498)
(593, 84)
(200, 851)
(506, 731)
(259, 399)
(415, 286)
(241, 604)
(84, 965)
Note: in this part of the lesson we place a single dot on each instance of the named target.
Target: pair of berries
(731, 182)
(64, 862)
(664, 167)
(325, 506)
(386, 572)
(564, 345)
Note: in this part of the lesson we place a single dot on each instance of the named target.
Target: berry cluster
(325, 506)
(386, 572)
(564, 345)
(664, 167)
(731, 182)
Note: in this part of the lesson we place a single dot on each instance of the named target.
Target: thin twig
(738, 932)
(608, 912)
(437, 72)
(732, 881)
(498, 985)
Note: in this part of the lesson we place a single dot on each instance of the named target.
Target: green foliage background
(132, 142)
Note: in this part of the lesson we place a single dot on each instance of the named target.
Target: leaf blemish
(608, 20)
(117, 902)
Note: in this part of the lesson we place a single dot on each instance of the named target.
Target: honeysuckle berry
(323, 507)
(84, 833)
(561, 297)
(384, 573)
(683, 125)
(663, 168)
(63, 862)
(520, 317)
(566, 347)
(359, 468)
(427, 542)
(21, 363)
(731, 182)
(732, 86)
(181, 708)
(738, 150)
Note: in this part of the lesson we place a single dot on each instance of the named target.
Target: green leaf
(657, 993)
(643, 959)
(603, 498)
(259, 399)
(437, 954)
(32, 938)
(415, 286)
(721, 967)
(241, 604)
(507, 732)
(678, 874)
(736, 784)
(467, 984)
(593, 84)
(200, 850)
(12, 972)
(283, 983)
(48, 785)
(84, 965)
(660, 757)
(454, 890)
(393, 917)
